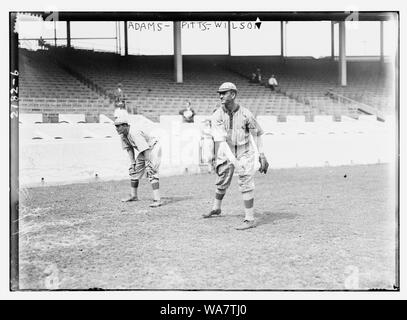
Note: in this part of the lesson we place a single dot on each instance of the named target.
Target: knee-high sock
(248, 200)
(133, 188)
(156, 191)
(217, 204)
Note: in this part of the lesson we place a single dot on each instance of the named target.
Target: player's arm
(219, 137)
(142, 145)
(258, 140)
(262, 158)
(256, 131)
(225, 149)
(130, 152)
(147, 158)
(147, 154)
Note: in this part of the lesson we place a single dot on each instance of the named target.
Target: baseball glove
(264, 165)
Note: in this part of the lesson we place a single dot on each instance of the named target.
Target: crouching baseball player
(144, 151)
(232, 126)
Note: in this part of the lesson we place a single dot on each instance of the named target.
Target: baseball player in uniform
(232, 126)
(144, 151)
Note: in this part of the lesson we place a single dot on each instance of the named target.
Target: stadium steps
(149, 86)
(46, 87)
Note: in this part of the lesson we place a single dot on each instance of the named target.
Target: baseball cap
(227, 86)
(120, 117)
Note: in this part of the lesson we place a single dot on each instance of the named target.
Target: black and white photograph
(204, 151)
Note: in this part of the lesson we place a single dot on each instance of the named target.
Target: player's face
(121, 129)
(227, 97)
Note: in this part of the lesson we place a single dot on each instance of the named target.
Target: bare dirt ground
(318, 228)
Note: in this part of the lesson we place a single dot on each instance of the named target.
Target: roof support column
(177, 52)
(342, 54)
(68, 34)
(332, 40)
(381, 41)
(229, 40)
(55, 34)
(282, 40)
(126, 41)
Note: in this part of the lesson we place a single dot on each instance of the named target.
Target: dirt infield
(318, 228)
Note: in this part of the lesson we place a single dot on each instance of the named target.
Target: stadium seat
(304, 83)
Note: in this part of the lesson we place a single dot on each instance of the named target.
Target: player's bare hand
(264, 165)
(132, 169)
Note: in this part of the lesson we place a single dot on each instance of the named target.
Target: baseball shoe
(246, 225)
(156, 204)
(129, 199)
(212, 213)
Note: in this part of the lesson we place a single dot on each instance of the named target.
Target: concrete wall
(66, 153)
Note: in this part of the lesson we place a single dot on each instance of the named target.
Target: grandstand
(314, 82)
(49, 89)
(62, 80)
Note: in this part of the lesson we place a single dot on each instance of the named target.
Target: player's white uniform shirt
(235, 129)
(138, 139)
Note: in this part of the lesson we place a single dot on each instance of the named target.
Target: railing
(359, 106)
(310, 109)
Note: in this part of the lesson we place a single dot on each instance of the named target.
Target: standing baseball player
(144, 151)
(232, 127)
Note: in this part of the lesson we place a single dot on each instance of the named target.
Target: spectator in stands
(119, 98)
(253, 78)
(188, 113)
(258, 75)
(41, 43)
(272, 83)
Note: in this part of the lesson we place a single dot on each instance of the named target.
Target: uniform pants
(150, 167)
(245, 170)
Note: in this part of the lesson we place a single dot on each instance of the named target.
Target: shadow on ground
(269, 217)
(169, 200)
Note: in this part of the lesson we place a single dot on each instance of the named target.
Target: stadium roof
(222, 16)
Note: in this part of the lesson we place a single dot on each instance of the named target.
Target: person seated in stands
(272, 83)
(253, 78)
(119, 98)
(188, 113)
(256, 76)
